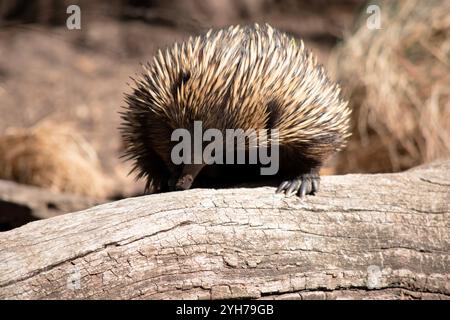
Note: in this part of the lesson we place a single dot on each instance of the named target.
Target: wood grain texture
(363, 236)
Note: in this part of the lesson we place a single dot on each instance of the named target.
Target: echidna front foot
(304, 184)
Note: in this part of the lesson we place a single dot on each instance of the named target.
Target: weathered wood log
(362, 236)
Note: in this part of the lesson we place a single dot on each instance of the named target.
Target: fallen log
(363, 236)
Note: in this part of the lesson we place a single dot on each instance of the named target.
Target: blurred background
(61, 89)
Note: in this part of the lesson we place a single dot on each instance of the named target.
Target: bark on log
(362, 236)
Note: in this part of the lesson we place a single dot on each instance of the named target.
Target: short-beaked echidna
(249, 78)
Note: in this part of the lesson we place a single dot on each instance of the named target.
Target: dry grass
(398, 82)
(52, 156)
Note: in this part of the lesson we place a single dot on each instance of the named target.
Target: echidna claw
(304, 184)
(305, 188)
(293, 188)
(282, 186)
(315, 184)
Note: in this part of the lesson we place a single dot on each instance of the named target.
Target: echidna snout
(188, 175)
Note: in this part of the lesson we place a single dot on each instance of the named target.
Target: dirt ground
(79, 76)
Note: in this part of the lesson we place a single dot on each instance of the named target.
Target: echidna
(249, 78)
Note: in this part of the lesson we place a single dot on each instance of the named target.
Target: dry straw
(398, 82)
(51, 156)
